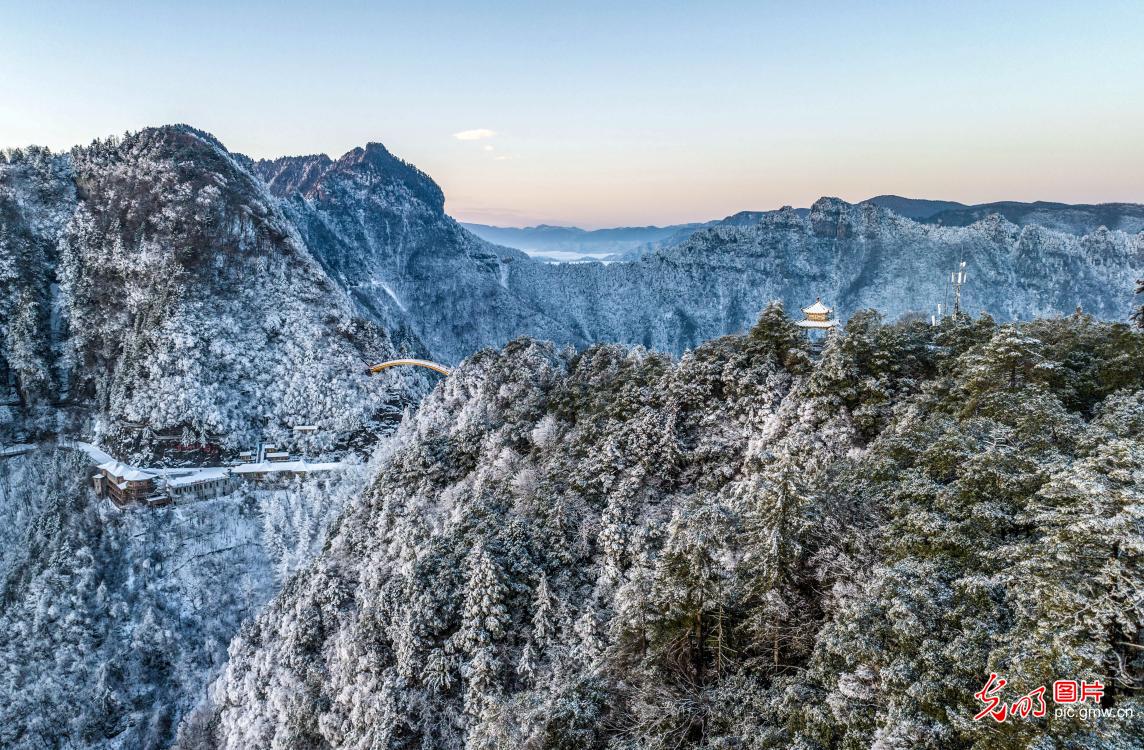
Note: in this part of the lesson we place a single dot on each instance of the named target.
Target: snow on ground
(184, 475)
(95, 453)
(119, 621)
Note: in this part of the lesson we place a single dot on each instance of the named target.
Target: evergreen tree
(483, 621)
(1139, 316)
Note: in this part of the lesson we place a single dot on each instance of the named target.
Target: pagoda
(817, 319)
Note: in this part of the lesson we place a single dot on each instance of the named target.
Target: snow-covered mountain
(160, 285)
(563, 243)
(1078, 219)
(1073, 218)
(378, 226)
(171, 283)
(154, 284)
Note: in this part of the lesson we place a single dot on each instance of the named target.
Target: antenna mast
(957, 278)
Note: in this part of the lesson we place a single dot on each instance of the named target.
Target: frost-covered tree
(1139, 315)
(483, 621)
(612, 548)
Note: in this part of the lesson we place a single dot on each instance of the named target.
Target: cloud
(474, 135)
(488, 147)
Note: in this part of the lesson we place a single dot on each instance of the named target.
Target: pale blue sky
(615, 113)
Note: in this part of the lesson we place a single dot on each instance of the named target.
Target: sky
(615, 113)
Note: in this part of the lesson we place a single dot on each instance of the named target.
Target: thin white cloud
(488, 147)
(474, 135)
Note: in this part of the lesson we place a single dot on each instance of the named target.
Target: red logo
(989, 696)
(1031, 704)
(1065, 692)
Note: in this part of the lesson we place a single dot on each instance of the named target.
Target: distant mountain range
(569, 243)
(561, 243)
(156, 277)
(1074, 218)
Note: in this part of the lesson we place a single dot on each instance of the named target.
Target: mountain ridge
(628, 243)
(370, 231)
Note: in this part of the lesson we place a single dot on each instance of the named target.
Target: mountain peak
(912, 208)
(830, 203)
(375, 163)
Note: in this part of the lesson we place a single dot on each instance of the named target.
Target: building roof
(125, 472)
(299, 467)
(817, 323)
(198, 476)
(817, 308)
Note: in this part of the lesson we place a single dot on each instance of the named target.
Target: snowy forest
(747, 547)
(641, 511)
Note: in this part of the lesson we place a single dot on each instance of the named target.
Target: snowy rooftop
(125, 471)
(93, 452)
(300, 467)
(817, 323)
(817, 308)
(198, 476)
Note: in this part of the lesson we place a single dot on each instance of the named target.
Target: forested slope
(154, 283)
(743, 548)
(114, 622)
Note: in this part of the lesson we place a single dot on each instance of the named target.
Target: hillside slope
(741, 548)
(115, 622)
(155, 285)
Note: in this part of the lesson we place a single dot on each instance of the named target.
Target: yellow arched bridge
(409, 362)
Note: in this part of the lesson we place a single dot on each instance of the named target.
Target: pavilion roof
(817, 308)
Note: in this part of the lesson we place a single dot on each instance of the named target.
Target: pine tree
(527, 667)
(1080, 594)
(483, 621)
(777, 335)
(543, 616)
(774, 548)
(1139, 316)
(438, 672)
(1005, 363)
(692, 591)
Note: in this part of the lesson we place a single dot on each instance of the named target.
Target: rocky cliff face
(377, 225)
(854, 257)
